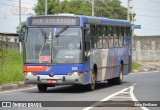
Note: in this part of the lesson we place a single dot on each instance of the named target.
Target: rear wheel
(42, 87)
(117, 80)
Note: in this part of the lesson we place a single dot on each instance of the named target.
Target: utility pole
(92, 7)
(131, 19)
(130, 10)
(46, 6)
(20, 44)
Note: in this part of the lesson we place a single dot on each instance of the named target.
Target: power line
(153, 1)
(148, 16)
(21, 2)
(7, 4)
(149, 29)
(10, 5)
(147, 10)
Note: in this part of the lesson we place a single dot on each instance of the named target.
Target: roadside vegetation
(11, 67)
(135, 65)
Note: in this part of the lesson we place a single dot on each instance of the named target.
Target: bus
(75, 50)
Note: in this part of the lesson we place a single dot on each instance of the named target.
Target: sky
(147, 15)
(9, 13)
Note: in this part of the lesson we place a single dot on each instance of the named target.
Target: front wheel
(42, 87)
(91, 86)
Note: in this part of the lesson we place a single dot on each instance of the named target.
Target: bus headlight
(29, 74)
(75, 74)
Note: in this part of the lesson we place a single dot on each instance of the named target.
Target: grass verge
(11, 67)
(135, 65)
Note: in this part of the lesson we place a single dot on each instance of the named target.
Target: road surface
(136, 86)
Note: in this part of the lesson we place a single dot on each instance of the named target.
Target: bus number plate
(51, 81)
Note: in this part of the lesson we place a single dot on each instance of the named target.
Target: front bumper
(56, 79)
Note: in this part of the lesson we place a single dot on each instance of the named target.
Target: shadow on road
(76, 88)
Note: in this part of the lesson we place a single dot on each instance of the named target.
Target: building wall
(9, 40)
(146, 48)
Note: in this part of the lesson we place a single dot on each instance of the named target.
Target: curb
(145, 70)
(6, 87)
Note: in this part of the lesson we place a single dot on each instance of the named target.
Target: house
(10, 41)
(9, 37)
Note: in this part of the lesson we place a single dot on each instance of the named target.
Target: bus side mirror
(22, 33)
(87, 35)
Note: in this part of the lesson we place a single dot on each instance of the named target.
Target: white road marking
(131, 88)
(18, 90)
(121, 97)
(134, 98)
(105, 99)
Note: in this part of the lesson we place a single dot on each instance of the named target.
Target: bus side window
(111, 38)
(105, 37)
(99, 37)
(122, 37)
(129, 35)
(116, 39)
(126, 37)
(93, 35)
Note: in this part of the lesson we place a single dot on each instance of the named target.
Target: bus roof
(90, 19)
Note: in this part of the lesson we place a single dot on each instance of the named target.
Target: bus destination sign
(34, 21)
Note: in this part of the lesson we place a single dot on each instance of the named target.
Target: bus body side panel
(87, 72)
(117, 60)
(97, 60)
(108, 62)
(105, 61)
(126, 61)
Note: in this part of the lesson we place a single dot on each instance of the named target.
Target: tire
(92, 85)
(119, 79)
(42, 87)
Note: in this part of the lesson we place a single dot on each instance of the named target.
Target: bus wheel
(93, 82)
(119, 79)
(42, 87)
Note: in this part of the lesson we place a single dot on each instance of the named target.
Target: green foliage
(11, 70)
(22, 23)
(39, 8)
(79, 7)
(135, 65)
(111, 9)
(105, 8)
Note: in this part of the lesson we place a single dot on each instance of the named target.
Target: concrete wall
(9, 40)
(10, 45)
(146, 48)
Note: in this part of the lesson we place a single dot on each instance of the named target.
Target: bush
(135, 65)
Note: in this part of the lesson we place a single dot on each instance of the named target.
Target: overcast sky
(148, 15)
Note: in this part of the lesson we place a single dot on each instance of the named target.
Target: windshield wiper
(61, 31)
(43, 33)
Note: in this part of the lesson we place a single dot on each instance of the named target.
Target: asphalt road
(136, 86)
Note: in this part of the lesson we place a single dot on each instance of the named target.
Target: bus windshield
(53, 45)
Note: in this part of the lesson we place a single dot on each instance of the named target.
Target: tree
(110, 8)
(80, 7)
(39, 8)
(106, 8)
(22, 23)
